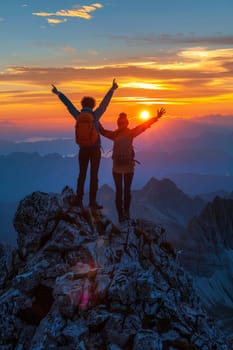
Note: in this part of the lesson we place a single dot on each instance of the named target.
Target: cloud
(192, 75)
(147, 86)
(180, 38)
(93, 52)
(56, 21)
(199, 65)
(77, 11)
(198, 62)
(69, 49)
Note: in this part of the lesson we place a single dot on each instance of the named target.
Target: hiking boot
(95, 206)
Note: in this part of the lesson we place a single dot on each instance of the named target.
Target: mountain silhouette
(166, 196)
(160, 201)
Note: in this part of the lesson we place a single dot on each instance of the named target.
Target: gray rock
(79, 282)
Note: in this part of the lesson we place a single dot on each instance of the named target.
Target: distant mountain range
(193, 172)
(197, 155)
(169, 135)
(62, 146)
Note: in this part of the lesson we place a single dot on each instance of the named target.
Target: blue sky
(115, 29)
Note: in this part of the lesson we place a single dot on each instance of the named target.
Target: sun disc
(144, 115)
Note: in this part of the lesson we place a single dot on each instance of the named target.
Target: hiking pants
(86, 155)
(123, 205)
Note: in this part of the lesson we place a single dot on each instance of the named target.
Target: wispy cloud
(68, 49)
(93, 52)
(193, 63)
(189, 76)
(178, 38)
(147, 86)
(77, 11)
(56, 21)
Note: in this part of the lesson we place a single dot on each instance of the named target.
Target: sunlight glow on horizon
(140, 85)
(190, 83)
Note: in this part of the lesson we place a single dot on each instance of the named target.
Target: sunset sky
(176, 54)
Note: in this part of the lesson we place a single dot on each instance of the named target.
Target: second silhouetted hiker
(89, 147)
(123, 159)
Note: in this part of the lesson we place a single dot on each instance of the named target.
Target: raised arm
(71, 108)
(106, 133)
(105, 102)
(142, 127)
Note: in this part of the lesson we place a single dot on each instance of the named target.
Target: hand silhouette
(114, 84)
(55, 90)
(161, 112)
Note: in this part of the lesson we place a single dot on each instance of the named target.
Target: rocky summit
(76, 281)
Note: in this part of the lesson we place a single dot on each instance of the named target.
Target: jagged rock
(79, 282)
(147, 339)
(208, 254)
(8, 262)
(215, 227)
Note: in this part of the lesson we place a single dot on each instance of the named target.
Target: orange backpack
(85, 130)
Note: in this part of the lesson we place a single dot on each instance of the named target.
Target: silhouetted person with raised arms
(91, 153)
(123, 159)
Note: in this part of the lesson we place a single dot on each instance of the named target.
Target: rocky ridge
(208, 255)
(208, 236)
(76, 281)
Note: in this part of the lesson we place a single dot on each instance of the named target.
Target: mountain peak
(106, 189)
(169, 200)
(76, 279)
(164, 184)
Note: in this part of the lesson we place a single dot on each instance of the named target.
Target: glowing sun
(144, 115)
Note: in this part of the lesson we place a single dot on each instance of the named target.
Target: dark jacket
(98, 112)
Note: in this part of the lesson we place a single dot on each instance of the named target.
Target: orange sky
(163, 53)
(192, 82)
